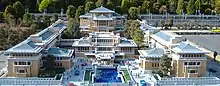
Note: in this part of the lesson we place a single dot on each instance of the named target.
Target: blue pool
(107, 75)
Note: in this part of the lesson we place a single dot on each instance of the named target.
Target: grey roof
(126, 43)
(25, 46)
(186, 47)
(60, 52)
(101, 10)
(102, 17)
(47, 35)
(82, 42)
(87, 15)
(155, 52)
(163, 36)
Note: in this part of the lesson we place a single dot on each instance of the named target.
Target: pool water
(107, 75)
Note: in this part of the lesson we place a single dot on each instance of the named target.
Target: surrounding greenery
(121, 6)
(133, 31)
(87, 76)
(133, 13)
(165, 66)
(71, 11)
(126, 76)
(73, 30)
(79, 12)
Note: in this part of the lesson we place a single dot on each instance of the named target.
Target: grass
(87, 75)
(126, 76)
(215, 30)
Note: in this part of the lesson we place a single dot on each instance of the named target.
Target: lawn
(126, 76)
(87, 76)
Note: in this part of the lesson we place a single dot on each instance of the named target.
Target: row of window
(155, 59)
(191, 63)
(103, 40)
(24, 54)
(192, 55)
(155, 64)
(104, 49)
(22, 63)
(126, 49)
(58, 64)
(58, 58)
(21, 71)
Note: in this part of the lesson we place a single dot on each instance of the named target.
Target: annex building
(26, 58)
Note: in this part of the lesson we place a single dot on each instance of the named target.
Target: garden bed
(126, 76)
(87, 76)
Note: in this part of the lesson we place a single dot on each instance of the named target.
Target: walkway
(70, 75)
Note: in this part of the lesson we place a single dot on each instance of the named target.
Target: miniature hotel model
(106, 49)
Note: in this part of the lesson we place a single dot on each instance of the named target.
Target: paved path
(69, 75)
(215, 66)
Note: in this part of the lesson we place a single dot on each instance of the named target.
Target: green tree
(165, 64)
(44, 5)
(163, 9)
(79, 12)
(8, 14)
(1, 17)
(145, 8)
(27, 20)
(190, 7)
(133, 3)
(156, 7)
(73, 30)
(179, 9)
(172, 6)
(54, 18)
(133, 13)
(118, 9)
(99, 3)
(18, 10)
(217, 6)
(46, 21)
(208, 11)
(110, 5)
(198, 4)
(138, 36)
(125, 6)
(89, 6)
(70, 12)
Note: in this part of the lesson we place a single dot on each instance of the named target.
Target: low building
(105, 45)
(188, 61)
(26, 58)
(150, 59)
(101, 19)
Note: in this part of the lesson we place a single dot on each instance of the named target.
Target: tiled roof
(163, 36)
(126, 43)
(46, 35)
(186, 47)
(87, 15)
(101, 10)
(59, 52)
(82, 42)
(155, 52)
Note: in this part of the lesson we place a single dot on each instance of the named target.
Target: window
(21, 71)
(185, 63)
(198, 63)
(152, 64)
(28, 63)
(192, 63)
(192, 71)
(15, 63)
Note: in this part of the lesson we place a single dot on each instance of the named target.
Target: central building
(101, 20)
(105, 47)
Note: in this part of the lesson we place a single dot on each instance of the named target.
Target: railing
(108, 84)
(30, 81)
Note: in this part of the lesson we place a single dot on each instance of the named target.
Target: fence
(30, 81)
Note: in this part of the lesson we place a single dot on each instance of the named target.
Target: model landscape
(99, 46)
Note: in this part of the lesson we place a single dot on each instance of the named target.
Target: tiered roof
(152, 53)
(34, 43)
(186, 47)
